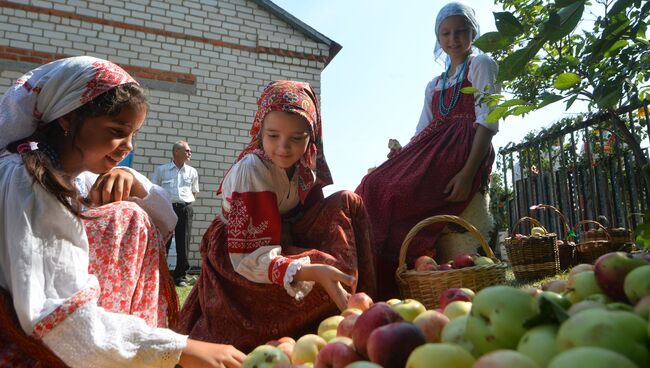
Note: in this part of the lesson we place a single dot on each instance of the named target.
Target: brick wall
(203, 62)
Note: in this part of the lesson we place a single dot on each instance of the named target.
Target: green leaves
(469, 90)
(608, 94)
(493, 41)
(507, 24)
(566, 81)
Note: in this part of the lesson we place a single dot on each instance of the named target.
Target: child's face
(455, 37)
(103, 141)
(285, 137)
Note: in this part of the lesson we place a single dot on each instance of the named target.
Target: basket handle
(532, 220)
(565, 221)
(598, 224)
(441, 218)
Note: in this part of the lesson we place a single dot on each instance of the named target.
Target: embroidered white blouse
(44, 265)
(482, 72)
(256, 193)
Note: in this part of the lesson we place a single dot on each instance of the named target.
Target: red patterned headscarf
(296, 98)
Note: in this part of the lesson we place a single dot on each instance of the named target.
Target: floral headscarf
(53, 90)
(297, 98)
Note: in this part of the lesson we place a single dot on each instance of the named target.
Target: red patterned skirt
(225, 307)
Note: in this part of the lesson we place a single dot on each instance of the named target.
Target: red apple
(453, 294)
(610, 270)
(532, 291)
(336, 355)
(463, 260)
(287, 348)
(642, 307)
(390, 345)
(273, 342)
(425, 263)
(444, 267)
(431, 323)
(360, 301)
(346, 326)
(505, 359)
(377, 315)
(557, 286)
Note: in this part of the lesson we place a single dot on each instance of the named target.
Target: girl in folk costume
(277, 256)
(449, 158)
(84, 289)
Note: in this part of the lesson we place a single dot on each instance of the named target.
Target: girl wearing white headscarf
(448, 159)
(84, 289)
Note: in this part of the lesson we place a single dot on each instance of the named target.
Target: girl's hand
(116, 185)
(204, 354)
(459, 187)
(330, 278)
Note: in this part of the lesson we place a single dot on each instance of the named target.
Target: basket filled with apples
(533, 256)
(590, 248)
(566, 248)
(428, 280)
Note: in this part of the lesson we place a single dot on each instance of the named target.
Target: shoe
(181, 283)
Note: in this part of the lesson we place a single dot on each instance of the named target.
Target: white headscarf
(53, 90)
(449, 10)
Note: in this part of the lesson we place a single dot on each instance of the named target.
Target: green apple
(363, 364)
(620, 331)
(455, 332)
(537, 231)
(585, 305)
(329, 323)
(393, 301)
(265, 356)
(497, 318)
(328, 335)
(409, 309)
(482, 260)
(505, 358)
(539, 344)
(637, 284)
(441, 355)
(306, 349)
(457, 308)
(583, 284)
(558, 299)
(592, 357)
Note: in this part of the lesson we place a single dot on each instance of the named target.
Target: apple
(346, 312)
(390, 345)
(620, 331)
(558, 286)
(592, 357)
(409, 309)
(532, 291)
(463, 260)
(287, 339)
(482, 261)
(642, 255)
(377, 315)
(272, 342)
(287, 348)
(538, 344)
(505, 359)
(452, 294)
(584, 305)
(582, 285)
(360, 301)
(306, 349)
(329, 323)
(637, 284)
(336, 355)
(610, 270)
(537, 231)
(431, 323)
(342, 339)
(497, 318)
(642, 307)
(265, 356)
(347, 325)
(457, 308)
(576, 270)
(441, 355)
(558, 299)
(455, 332)
(363, 364)
(328, 335)
(425, 263)
(393, 301)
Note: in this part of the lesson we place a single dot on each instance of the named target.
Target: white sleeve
(483, 75)
(426, 116)
(195, 182)
(44, 265)
(259, 262)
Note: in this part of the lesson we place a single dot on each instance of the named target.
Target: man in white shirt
(181, 181)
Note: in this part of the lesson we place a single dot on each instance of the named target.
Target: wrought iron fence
(581, 167)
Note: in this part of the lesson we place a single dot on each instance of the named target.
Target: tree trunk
(639, 156)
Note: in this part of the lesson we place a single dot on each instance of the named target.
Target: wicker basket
(532, 257)
(590, 249)
(426, 286)
(566, 248)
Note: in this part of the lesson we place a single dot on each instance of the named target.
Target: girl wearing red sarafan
(277, 257)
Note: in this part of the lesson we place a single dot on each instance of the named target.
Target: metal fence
(582, 168)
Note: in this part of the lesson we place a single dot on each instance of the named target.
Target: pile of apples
(427, 263)
(598, 317)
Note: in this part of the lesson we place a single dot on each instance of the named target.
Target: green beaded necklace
(445, 110)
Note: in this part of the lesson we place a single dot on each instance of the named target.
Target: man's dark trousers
(182, 235)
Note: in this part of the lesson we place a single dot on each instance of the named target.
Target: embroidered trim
(48, 323)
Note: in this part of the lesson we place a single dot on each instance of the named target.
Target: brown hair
(41, 167)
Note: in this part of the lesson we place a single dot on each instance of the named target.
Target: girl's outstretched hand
(116, 185)
(459, 187)
(330, 278)
(204, 354)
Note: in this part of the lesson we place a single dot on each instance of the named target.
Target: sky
(373, 90)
